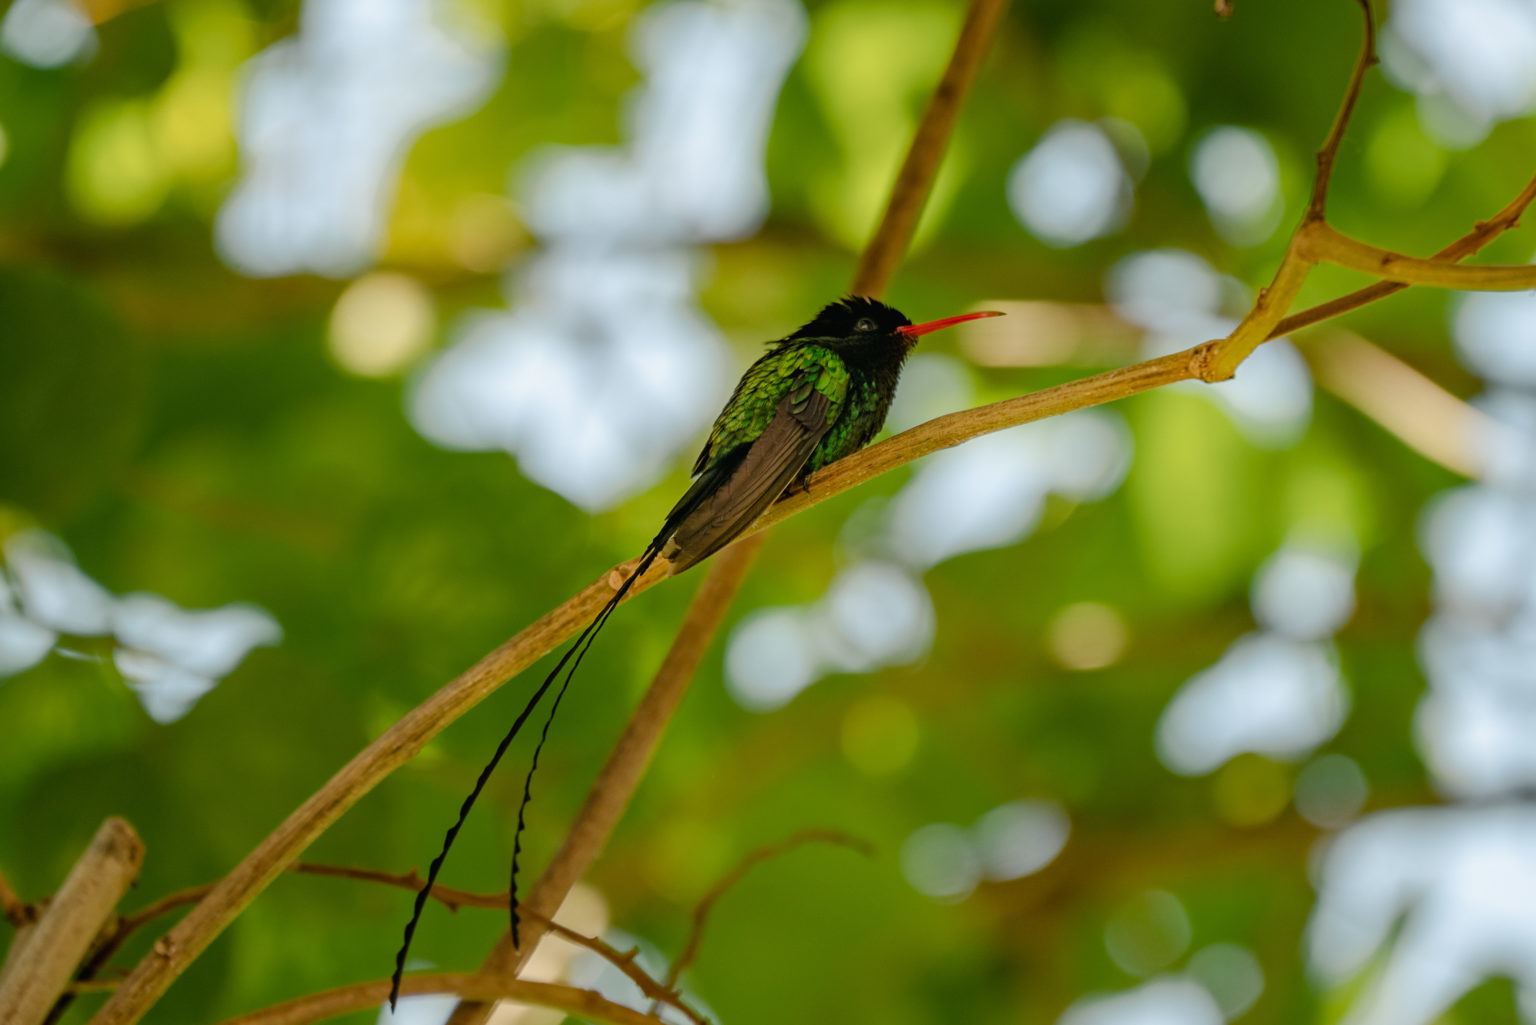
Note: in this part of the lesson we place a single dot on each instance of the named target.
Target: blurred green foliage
(185, 430)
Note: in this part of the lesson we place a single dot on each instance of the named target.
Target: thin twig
(448, 896)
(454, 899)
(767, 852)
(1330, 148)
(625, 961)
(577, 1003)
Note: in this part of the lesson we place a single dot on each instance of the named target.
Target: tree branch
(1322, 243)
(1330, 148)
(449, 897)
(1219, 359)
(1468, 245)
(578, 1003)
(914, 182)
(178, 948)
(41, 973)
(767, 852)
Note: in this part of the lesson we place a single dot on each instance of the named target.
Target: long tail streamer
(579, 649)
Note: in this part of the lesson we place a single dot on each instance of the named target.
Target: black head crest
(852, 316)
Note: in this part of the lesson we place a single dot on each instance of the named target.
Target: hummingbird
(818, 394)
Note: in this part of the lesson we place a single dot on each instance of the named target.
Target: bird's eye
(864, 324)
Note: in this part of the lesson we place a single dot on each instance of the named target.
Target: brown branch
(767, 852)
(657, 993)
(915, 180)
(453, 899)
(19, 940)
(178, 948)
(952, 429)
(448, 896)
(1330, 148)
(1323, 243)
(1468, 245)
(577, 1003)
(39, 976)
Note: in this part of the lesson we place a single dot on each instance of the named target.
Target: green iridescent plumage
(814, 397)
(755, 401)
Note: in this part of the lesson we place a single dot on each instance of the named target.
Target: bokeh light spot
(46, 33)
(1168, 1000)
(1330, 791)
(486, 233)
(1306, 590)
(1268, 694)
(1071, 187)
(1020, 838)
(881, 614)
(381, 323)
(1231, 974)
(1147, 933)
(770, 659)
(116, 172)
(1250, 790)
(939, 861)
(1087, 635)
(1495, 335)
(1237, 175)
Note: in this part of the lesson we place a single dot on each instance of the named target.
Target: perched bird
(815, 396)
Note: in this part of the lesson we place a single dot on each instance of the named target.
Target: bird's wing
(747, 482)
